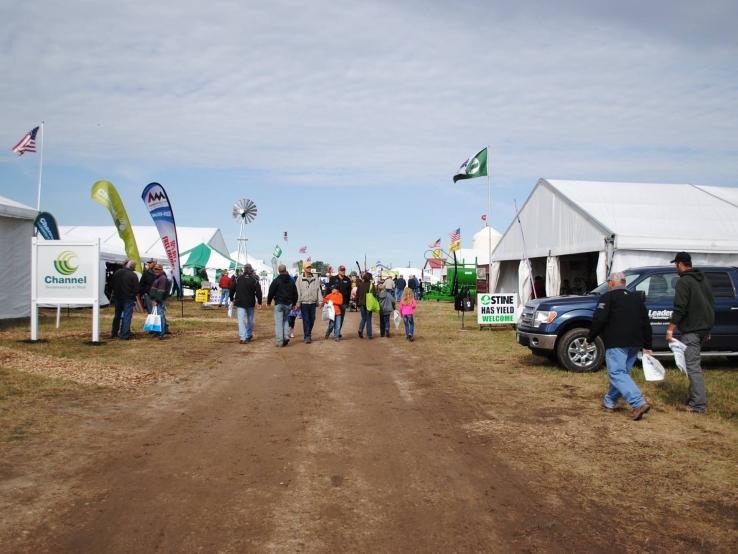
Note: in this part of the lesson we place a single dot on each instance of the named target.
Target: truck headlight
(543, 318)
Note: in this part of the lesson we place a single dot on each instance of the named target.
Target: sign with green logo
(64, 261)
(497, 309)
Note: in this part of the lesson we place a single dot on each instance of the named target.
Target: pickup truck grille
(526, 318)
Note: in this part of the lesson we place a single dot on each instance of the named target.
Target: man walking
(413, 284)
(245, 296)
(343, 282)
(284, 293)
(622, 320)
(225, 288)
(694, 316)
(308, 298)
(400, 285)
(124, 285)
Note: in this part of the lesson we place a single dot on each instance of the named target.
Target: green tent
(204, 255)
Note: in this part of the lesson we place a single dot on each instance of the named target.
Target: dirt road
(310, 448)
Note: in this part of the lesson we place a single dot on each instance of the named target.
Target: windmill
(245, 211)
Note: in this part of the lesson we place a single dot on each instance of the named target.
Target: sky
(344, 121)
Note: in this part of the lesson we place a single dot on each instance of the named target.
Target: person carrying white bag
(622, 320)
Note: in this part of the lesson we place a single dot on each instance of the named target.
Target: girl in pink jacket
(407, 309)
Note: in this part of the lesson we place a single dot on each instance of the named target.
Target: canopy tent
(576, 232)
(206, 256)
(147, 238)
(16, 230)
(264, 271)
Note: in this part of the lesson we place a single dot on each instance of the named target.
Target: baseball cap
(341, 268)
(683, 257)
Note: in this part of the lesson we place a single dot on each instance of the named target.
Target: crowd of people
(300, 297)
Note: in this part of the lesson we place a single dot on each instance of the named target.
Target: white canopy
(483, 238)
(16, 230)
(147, 239)
(259, 266)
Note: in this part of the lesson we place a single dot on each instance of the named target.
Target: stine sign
(496, 309)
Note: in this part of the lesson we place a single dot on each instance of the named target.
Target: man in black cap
(144, 285)
(694, 316)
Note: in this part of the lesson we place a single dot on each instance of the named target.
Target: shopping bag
(153, 321)
(397, 318)
(372, 304)
(329, 312)
(230, 309)
(652, 368)
(678, 347)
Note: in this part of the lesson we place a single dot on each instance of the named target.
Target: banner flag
(157, 202)
(46, 226)
(277, 251)
(105, 194)
(476, 166)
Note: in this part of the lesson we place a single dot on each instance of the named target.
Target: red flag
(484, 217)
(303, 249)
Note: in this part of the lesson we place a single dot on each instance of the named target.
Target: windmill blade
(245, 209)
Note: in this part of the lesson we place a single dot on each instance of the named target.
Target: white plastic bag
(329, 312)
(397, 319)
(153, 321)
(652, 368)
(678, 347)
(230, 309)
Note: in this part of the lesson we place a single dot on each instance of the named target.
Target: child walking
(386, 309)
(335, 325)
(407, 309)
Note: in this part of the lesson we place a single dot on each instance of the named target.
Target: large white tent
(16, 230)
(147, 238)
(573, 233)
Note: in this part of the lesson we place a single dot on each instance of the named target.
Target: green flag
(277, 251)
(105, 194)
(476, 166)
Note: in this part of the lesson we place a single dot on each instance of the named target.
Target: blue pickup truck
(556, 327)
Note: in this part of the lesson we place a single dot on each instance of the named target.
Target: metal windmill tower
(245, 211)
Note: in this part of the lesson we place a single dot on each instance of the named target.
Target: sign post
(496, 309)
(65, 272)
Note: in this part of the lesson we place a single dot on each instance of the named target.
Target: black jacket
(247, 292)
(622, 320)
(124, 284)
(694, 305)
(282, 290)
(146, 279)
(344, 286)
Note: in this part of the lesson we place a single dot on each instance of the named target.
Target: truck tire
(573, 355)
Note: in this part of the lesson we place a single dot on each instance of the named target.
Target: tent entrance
(578, 273)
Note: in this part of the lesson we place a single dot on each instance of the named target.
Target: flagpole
(40, 168)
(487, 226)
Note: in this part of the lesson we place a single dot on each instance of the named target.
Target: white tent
(16, 230)
(147, 239)
(261, 269)
(575, 232)
(483, 238)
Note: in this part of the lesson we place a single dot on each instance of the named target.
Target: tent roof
(566, 217)
(147, 239)
(206, 256)
(11, 208)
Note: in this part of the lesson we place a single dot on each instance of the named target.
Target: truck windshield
(629, 278)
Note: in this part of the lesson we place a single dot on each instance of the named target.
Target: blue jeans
(162, 311)
(384, 324)
(281, 322)
(122, 318)
(409, 325)
(619, 363)
(335, 326)
(366, 319)
(308, 319)
(224, 297)
(245, 331)
(398, 294)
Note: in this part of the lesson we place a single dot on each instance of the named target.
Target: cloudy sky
(345, 120)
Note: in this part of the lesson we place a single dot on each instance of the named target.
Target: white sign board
(65, 272)
(496, 309)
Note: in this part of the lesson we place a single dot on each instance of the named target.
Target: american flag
(455, 236)
(309, 259)
(27, 143)
(303, 249)
(285, 236)
(436, 244)
(484, 217)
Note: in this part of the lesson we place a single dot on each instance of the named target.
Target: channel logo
(64, 261)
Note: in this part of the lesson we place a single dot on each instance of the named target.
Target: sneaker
(690, 409)
(308, 340)
(249, 339)
(640, 411)
(361, 335)
(608, 409)
(411, 338)
(285, 342)
(292, 335)
(327, 334)
(337, 339)
(242, 341)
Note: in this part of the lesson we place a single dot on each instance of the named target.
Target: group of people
(150, 292)
(621, 318)
(301, 296)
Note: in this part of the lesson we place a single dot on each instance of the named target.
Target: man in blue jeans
(124, 285)
(246, 295)
(621, 318)
(309, 298)
(284, 293)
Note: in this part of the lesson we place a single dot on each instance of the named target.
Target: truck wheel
(575, 356)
